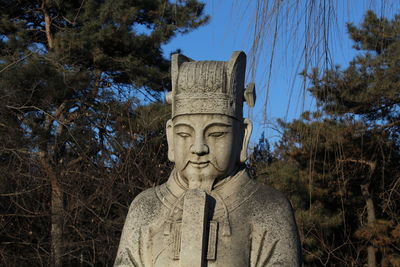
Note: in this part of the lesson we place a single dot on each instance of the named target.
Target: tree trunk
(57, 209)
(47, 25)
(56, 223)
(371, 250)
(56, 213)
(369, 203)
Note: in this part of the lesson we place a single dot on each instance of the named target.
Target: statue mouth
(199, 164)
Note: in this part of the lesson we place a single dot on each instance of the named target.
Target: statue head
(207, 135)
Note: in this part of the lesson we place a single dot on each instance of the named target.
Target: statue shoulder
(145, 204)
(144, 196)
(268, 202)
(271, 195)
(142, 212)
(273, 219)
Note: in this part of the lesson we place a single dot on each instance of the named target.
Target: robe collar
(229, 193)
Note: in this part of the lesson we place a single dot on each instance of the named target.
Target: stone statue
(209, 212)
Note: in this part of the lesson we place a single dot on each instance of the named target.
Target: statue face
(205, 147)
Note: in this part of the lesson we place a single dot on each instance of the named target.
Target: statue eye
(183, 134)
(217, 134)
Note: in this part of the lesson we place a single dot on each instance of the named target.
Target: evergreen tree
(369, 87)
(69, 74)
(339, 166)
(368, 92)
(260, 156)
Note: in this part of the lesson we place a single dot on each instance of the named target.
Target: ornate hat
(209, 87)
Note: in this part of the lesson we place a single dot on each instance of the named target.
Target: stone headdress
(209, 87)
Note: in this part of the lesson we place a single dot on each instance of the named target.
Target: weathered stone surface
(210, 212)
(192, 232)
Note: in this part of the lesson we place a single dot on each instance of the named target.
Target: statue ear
(248, 128)
(170, 140)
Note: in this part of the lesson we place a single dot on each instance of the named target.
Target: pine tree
(260, 156)
(368, 92)
(66, 69)
(339, 165)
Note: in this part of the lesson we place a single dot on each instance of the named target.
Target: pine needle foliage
(75, 145)
(339, 165)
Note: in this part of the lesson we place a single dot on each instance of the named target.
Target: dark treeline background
(77, 145)
(340, 165)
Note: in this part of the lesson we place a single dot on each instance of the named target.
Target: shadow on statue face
(206, 147)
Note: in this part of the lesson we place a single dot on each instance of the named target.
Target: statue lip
(199, 164)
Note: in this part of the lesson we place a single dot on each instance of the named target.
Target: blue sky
(231, 29)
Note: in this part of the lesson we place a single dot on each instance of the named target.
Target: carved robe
(248, 224)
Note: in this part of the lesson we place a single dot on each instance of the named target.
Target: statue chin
(198, 177)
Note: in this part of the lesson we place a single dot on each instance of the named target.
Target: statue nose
(199, 148)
